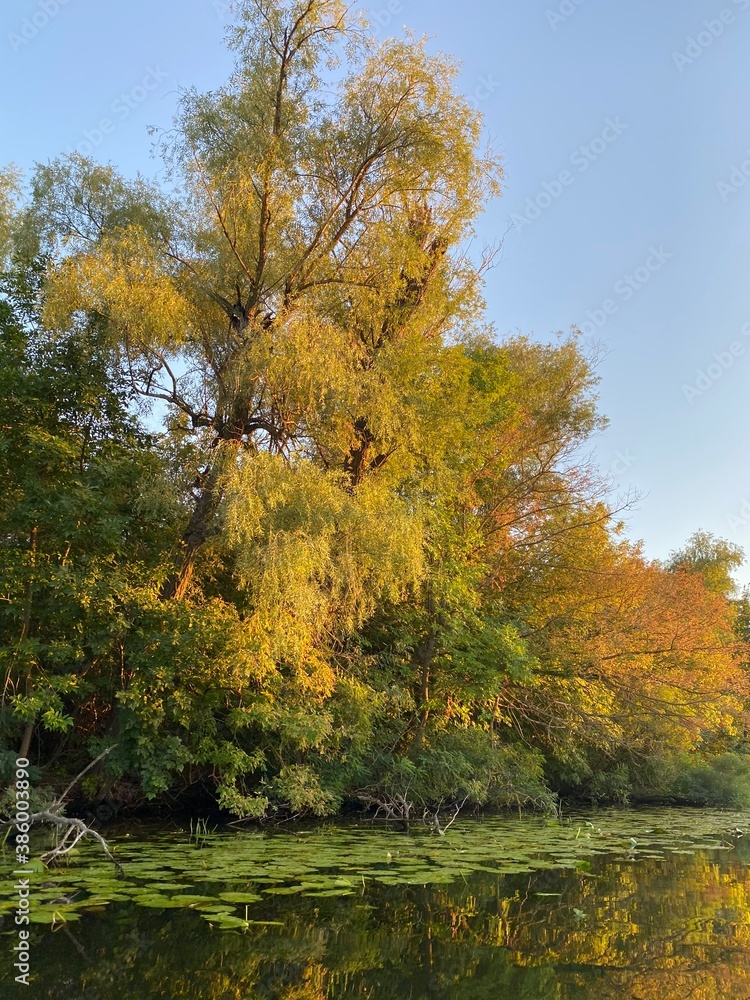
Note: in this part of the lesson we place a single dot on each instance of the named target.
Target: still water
(626, 904)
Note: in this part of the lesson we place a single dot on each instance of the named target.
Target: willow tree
(9, 197)
(290, 293)
(293, 293)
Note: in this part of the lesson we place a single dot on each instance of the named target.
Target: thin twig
(71, 824)
(61, 799)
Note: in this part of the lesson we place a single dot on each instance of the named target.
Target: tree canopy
(364, 556)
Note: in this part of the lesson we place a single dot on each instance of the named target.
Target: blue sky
(624, 128)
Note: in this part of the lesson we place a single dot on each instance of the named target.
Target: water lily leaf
(54, 915)
(225, 921)
(157, 902)
(190, 899)
(240, 897)
(323, 893)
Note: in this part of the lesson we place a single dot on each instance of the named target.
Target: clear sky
(624, 127)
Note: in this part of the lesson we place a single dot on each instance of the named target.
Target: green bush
(463, 764)
(724, 781)
(612, 786)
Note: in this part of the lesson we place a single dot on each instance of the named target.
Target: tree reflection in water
(668, 929)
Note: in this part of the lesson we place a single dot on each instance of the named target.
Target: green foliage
(365, 556)
(462, 764)
(613, 785)
(10, 196)
(41, 796)
(75, 553)
(713, 559)
(723, 782)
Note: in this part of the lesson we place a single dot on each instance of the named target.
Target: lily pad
(240, 897)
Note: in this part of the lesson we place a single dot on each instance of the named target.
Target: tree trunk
(424, 659)
(198, 531)
(424, 656)
(28, 734)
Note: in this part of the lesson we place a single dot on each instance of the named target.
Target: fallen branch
(60, 800)
(75, 829)
(401, 810)
(81, 830)
(393, 810)
(458, 807)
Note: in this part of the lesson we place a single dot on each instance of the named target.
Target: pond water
(627, 904)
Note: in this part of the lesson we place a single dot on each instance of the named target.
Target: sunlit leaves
(368, 554)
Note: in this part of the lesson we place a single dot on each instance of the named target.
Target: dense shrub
(723, 782)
